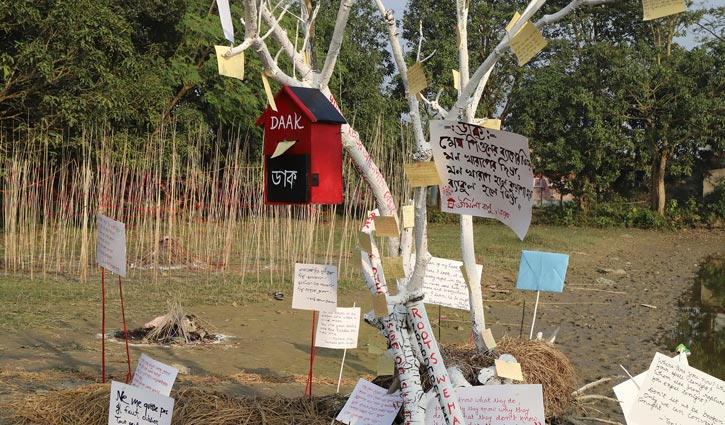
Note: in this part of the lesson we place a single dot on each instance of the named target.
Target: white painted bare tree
(407, 326)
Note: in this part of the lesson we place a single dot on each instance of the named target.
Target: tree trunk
(657, 182)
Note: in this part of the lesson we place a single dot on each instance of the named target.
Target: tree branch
(343, 14)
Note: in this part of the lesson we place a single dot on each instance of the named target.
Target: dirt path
(601, 315)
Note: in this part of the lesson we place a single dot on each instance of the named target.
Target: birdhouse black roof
(312, 102)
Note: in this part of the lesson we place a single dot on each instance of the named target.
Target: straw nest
(88, 405)
(541, 363)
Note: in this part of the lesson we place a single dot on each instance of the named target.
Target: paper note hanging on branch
(484, 172)
(416, 78)
(510, 370)
(154, 376)
(231, 66)
(393, 267)
(494, 405)
(444, 284)
(386, 226)
(282, 147)
(225, 15)
(513, 21)
(365, 242)
(315, 287)
(422, 174)
(654, 9)
(527, 42)
(456, 79)
(542, 271)
(488, 339)
(268, 92)
(128, 404)
(408, 213)
(370, 404)
(380, 305)
(338, 329)
(111, 245)
(492, 123)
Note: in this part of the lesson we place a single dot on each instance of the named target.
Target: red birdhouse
(302, 149)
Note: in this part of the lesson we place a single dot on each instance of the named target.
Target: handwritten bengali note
(674, 393)
(370, 405)
(111, 245)
(338, 329)
(484, 172)
(154, 376)
(654, 9)
(130, 405)
(315, 287)
(495, 405)
(416, 78)
(527, 42)
(444, 284)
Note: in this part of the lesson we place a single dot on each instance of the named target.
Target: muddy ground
(619, 303)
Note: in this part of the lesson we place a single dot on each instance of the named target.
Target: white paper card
(370, 405)
(495, 405)
(338, 329)
(131, 405)
(111, 245)
(484, 172)
(626, 393)
(677, 394)
(154, 376)
(315, 287)
(443, 283)
(225, 15)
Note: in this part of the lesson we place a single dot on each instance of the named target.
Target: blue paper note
(542, 271)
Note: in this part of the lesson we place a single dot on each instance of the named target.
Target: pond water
(701, 326)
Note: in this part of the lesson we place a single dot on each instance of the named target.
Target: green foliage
(714, 204)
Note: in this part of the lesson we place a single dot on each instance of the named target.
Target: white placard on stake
(673, 393)
(315, 287)
(484, 172)
(132, 405)
(338, 329)
(111, 245)
(495, 405)
(154, 376)
(370, 404)
(444, 284)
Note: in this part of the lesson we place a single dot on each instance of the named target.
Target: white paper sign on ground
(484, 172)
(338, 329)
(443, 283)
(315, 287)
(677, 394)
(111, 245)
(495, 405)
(132, 405)
(370, 405)
(154, 376)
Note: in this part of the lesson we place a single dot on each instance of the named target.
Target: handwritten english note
(315, 287)
(443, 283)
(370, 405)
(674, 393)
(154, 376)
(338, 329)
(111, 245)
(484, 172)
(654, 9)
(131, 405)
(527, 42)
(495, 405)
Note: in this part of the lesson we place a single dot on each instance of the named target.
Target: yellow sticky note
(456, 79)
(408, 212)
(488, 340)
(386, 226)
(365, 243)
(513, 21)
(282, 147)
(416, 78)
(380, 305)
(268, 91)
(422, 174)
(527, 43)
(654, 9)
(232, 66)
(510, 370)
(386, 366)
(393, 267)
(491, 123)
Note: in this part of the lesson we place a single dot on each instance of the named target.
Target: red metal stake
(313, 351)
(125, 332)
(103, 325)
